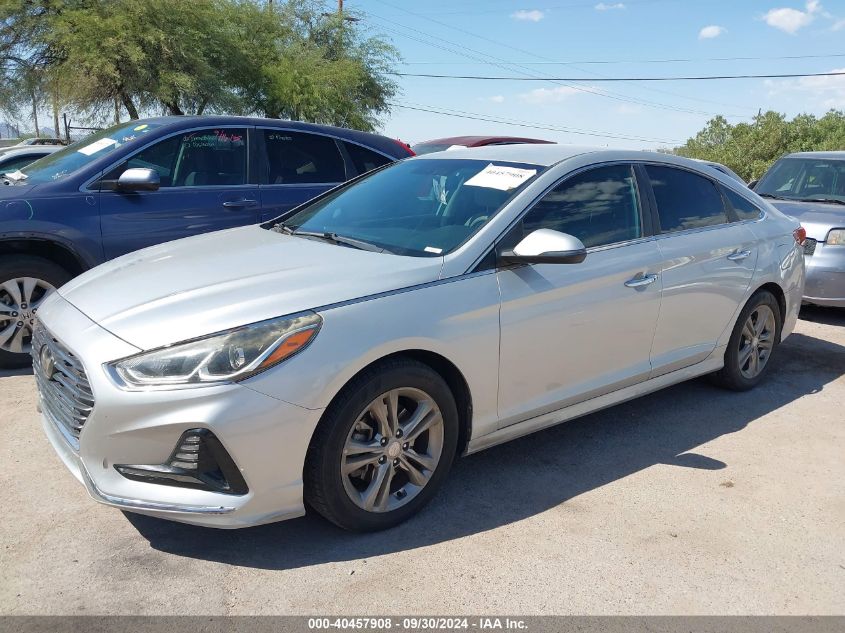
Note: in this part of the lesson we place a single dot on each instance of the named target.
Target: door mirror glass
(546, 246)
(138, 179)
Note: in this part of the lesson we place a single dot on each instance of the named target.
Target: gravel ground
(689, 501)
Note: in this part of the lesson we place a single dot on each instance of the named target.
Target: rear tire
(368, 469)
(24, 282)
(753, 342)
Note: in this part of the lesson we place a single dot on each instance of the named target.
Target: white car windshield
(805, 179)
(425, 207)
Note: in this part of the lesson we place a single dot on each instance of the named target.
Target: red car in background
(459, 142)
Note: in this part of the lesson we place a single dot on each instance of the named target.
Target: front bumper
(825, 285)
(267, 438)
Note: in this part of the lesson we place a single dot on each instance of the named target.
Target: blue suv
(150, 181)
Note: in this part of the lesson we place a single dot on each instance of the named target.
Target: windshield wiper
(341, 239)
(281, 227)
(773, 196)
(830, 200)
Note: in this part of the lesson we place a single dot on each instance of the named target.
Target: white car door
(570, 332)
(707, 265)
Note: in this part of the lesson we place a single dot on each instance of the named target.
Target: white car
(343, 355)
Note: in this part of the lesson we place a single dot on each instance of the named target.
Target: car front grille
(63, 386)
(809, 246)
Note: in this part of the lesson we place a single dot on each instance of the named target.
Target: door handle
(639, 282)
(238, 204)
(738, 256)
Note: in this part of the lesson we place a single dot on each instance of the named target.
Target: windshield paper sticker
(500, 177)
(96, 146)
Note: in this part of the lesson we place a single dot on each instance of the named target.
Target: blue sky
(503, 37)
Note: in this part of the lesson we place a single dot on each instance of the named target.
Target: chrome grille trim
(66, 396)
(809, 246)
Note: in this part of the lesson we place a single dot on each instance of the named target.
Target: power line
(537, 126)
(640, 61)
(486, 59)
(521, 69)
(612, 79)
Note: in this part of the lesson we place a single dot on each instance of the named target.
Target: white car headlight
(223, 357)
(836, 237)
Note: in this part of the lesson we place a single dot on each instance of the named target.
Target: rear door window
(685, 200)
(301, 158)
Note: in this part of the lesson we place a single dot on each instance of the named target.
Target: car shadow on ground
(22, 371)
(825, 316)
(528, 476)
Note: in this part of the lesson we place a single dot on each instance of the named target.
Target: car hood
(204, 284)
(817, 217)
(14, 192)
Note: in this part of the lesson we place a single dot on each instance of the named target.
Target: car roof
(837, 155)
(30, 149)
(382, 143)
(476, 141)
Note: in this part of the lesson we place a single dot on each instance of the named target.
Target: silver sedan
(810, 186)
(344, 354)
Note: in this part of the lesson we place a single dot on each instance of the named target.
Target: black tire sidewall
(731, 375)
(336, 426)
(16, 266)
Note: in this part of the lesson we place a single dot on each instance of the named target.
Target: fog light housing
(198, 461)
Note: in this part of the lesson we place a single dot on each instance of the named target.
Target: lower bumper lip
(137, 504)
(69, 455)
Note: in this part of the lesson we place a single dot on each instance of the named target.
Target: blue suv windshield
(68, 160)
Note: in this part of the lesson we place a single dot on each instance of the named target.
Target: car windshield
(804, 179)
(66, 161)
(423, 208)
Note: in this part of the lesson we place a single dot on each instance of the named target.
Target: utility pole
(340, 7)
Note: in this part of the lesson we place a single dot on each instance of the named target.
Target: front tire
(25, 281)
(753, 342)
(383, 447)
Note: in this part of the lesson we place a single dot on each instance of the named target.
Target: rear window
(364, 159)
(744, 208)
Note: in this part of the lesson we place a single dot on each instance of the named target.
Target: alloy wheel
(19, 302)
(756, 341)
(392, 450)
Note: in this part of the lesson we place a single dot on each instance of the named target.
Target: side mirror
(753, 183)
(545, 246)
(139, 179)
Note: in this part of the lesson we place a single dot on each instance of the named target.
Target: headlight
(227, 356)
(836, 237)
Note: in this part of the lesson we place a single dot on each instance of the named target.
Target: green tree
(751, 148)
(282, 59)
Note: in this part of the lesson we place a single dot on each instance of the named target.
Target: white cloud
(540, 96)
(493, 99)
(822, 92)
(791, 20)
(838, 26)
(604, 6)
(528, 16)
(709, 32)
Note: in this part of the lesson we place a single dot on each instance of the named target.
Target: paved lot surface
(692, 500)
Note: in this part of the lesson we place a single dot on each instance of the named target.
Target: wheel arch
(778, 293)
(447, 370)
(51, 250)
